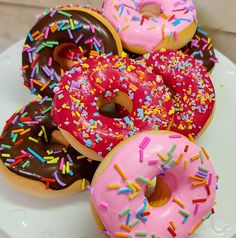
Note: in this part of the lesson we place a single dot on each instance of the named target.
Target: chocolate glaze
(201, 48)
(36, 170)
(29, 55)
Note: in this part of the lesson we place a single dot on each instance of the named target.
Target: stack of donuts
(122, 94)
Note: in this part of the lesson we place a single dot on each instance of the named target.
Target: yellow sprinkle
(125, 28)
(116, 17)
(25, 131)
(74, 99)
(132, 196)
(151, 183)
(151, 27)
(6, 155)
(173, 225)
(162, 157)
(40, 133)
(186, 164)
(49, 157)
(64, 169)
(33, 139)
(113, 186)
(45, 134)
(53, 161)
(137, 187)
(130, 184)
(67, 167)
(72, 24)
(81, 157)
(126, 18)
(83, 184)
(122, 174)
(205, 153)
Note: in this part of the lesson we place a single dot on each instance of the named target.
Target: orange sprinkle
(205, 153)
(54, 27)
(127, 228)
(164, 16)
(195, 227)
(25, 67)
(35, 33)
(44, 86)
(191, 138)
(195, 157)
(199, 183)
(117, 234)
(197, 178)
(17, 131)
(37, 82)
(25, 131)
(119, 137)
(163, 31)
(176, 200)
(179, 158)
(39, 37)
(173, 225)
(120, 171)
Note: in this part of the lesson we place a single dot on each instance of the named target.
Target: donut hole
(119, 106)
(150, 10)
(159, 195)
(66, 55)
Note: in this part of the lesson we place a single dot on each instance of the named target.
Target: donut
(201, 48)
(97, 82)
(36, 159)
(145, 26)
(120, 203)
(58, 40)
(191, 86)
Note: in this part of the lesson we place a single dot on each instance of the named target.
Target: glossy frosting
(191, 179)
(25, 149)
(77, 112)
(193, 90)
(201, 48)
(81, 27)
(137, 30)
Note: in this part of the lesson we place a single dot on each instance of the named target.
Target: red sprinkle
(50, 180)
(199, 200)
(15, 163)
(172, 232)
(144, 214)
(208, 189)
(22, 156)
(19, 142)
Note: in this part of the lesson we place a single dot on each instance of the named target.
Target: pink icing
(194, 94)
(109, 203)
(148, 33)
(75, 102)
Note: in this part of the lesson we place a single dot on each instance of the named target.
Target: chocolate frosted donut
(34, 153)
(201, 48)
(61, 38)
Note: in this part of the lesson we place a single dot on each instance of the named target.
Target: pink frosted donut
(193, 90)
(109, 79)
(145, 25)
(119, 187)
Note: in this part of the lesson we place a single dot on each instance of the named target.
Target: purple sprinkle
(30, 57)
(43, 100)
(14, 120)
(58, 180)
(33, 72)
(53, 12)
(70, 34)
(79, 38)
(69, 158)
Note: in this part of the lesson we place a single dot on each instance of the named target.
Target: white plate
(25, 216)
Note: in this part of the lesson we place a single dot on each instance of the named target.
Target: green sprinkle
(6, 164)
(64, 28)
(172, 163)
(60, 96)
(153, 236)
(203, 168)
(25, 164)
(5, 146)
(207, 216)
(37, 68)
(64, 13)
(185, 213)
(125, 212)
(201, 157)
(24, 114)
(134, 223)
(52, 43)
(14, 138)
(141, 233)
(167, 161)
(40, 48)
(47, 110)
(143, 180)
(172, 149)
(47, 45)
(49, 152)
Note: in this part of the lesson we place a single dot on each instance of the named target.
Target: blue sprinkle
(61, 26)
(78, 26)
(30, 37)
(128, 219)
(37, 156)
(125, 190)
(88, 143)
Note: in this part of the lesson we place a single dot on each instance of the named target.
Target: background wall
(218, 17)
